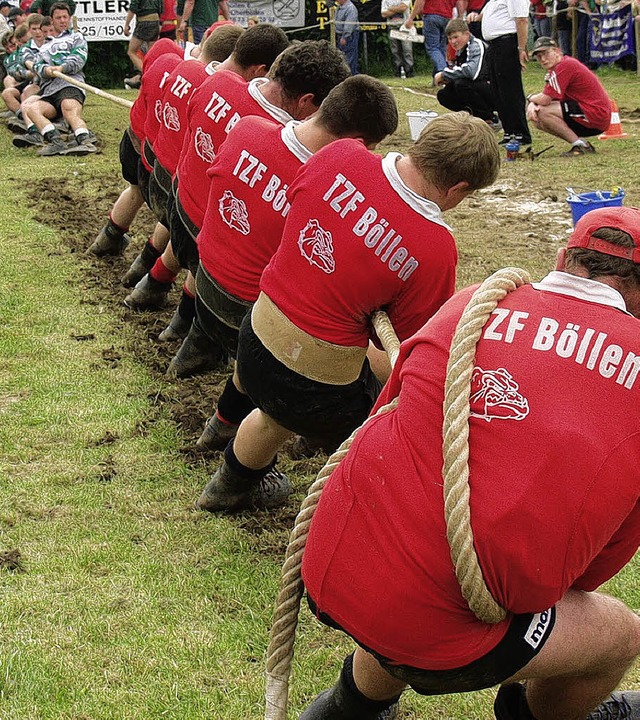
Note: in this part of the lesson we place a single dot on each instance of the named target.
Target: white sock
(48, 128)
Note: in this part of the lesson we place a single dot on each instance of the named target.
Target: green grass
(127, 604)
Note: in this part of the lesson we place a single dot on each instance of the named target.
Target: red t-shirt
(247, 203)
(443, 8)
(554, 446)
(178, 89)
(215, 107)
(571, 80)
(357, 239)
(138, 112)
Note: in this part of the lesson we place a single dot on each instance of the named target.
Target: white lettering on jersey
(249, 169)
(180, 87)
(499, 315)
(217, 108)
(349, 191)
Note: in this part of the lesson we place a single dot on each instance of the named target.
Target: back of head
(360, 106)
(606, 242)
(454, 148)
(221, 43)
(260, 45)
(313, 66)
(456, 25)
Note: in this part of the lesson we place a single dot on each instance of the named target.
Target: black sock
(234, 406)
(246, 473)
(187, 306)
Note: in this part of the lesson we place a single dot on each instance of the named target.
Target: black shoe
(229, 492)
(148, 294)
(578, 150)
(177, 329)
(618, 706)
(141, 265)
(198, 354)
(216, 434)
(55, 146)
(109, 241)
(28, 140)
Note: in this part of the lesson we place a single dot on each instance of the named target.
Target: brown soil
(190, 401)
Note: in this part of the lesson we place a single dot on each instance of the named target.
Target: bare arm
(223, 9)
(522, 29)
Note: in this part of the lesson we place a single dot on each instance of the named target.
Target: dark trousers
(506, 81)
(474, 96)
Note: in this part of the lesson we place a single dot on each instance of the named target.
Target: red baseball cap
(626, 219)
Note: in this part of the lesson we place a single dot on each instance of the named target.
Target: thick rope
(456, 439)
(285, 617)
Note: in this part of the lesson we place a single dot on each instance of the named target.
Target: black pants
(506, 81)
(474, 96)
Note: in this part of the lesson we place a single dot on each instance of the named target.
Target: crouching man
(554, 489)
(362, 233)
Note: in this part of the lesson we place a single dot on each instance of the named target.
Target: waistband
(191, 227)
(302, 353)
(135, 140)
(229, 309)
(153, 17)
(163, 176)
(148, 153)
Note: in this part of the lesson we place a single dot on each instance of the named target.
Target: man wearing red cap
(573, 104)
(554, 470)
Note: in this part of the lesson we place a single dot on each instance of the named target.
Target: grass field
(118, 600)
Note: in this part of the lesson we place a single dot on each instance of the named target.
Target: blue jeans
(435, 40)
(350, 51)
(198, 32)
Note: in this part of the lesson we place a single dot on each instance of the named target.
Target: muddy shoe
(28, 140)
(148, 294)
(16, 125)
(177, 329)
(618, 706)
(229, 492)
(56, 146)
(109, 241)
(198, 354)
(216, 434)
(141, 265)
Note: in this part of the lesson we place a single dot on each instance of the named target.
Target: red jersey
(178, 89)
(444, 8)
(214, 109)
(571, 80)
(247, 203)
(356, 240)
(138, 112)
(157, 75)
(554, 477)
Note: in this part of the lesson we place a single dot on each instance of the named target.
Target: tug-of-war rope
(456, 488)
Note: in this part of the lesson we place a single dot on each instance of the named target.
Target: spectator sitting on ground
(573, 104)
(553, 496)
(66, 52)
(466, 83)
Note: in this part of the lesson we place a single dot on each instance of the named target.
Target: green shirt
(205, 12)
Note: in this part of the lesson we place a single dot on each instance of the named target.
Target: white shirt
(499, 17)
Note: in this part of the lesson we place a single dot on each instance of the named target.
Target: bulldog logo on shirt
(234, 213)
(157, 110)
(204, 145)
(494, 395)
(316, 245)
(171, 118)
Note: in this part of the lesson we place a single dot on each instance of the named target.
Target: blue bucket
(582, 203)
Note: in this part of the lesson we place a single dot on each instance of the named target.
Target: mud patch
(11, 561)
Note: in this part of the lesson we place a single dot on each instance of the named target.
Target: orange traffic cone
(614, 131)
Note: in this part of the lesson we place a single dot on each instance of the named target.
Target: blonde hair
(454, 148)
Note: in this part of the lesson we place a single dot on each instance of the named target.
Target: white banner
(101, 20)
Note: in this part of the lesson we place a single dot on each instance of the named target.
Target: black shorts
(66, 93)
(21, 87)
(524, 639)
(158, 198)
(326, 413)
(571, 110)
(183, 240)
(129, 159)
(147, 30)
(143, 181)
(219, 313)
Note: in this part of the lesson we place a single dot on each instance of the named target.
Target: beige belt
(154, 17)
(306, 355)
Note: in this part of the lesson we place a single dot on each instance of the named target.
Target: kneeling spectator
(573, 104)
(466, 83)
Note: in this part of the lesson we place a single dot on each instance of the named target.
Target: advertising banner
(611, 35)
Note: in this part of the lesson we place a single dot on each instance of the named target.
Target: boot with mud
(177, 329)
(217, 434)
(198, 354)
(229, 491)
(111, 240)
(345, 702)
(141, 265)
(148, 294)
